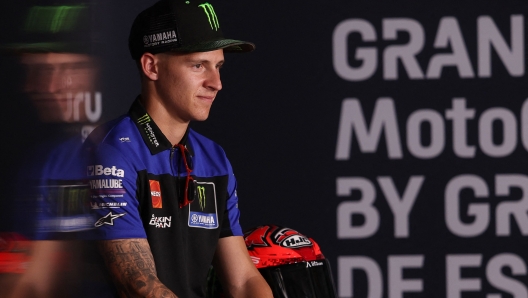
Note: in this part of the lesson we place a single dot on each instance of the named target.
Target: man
(166, 196)
(50, 195)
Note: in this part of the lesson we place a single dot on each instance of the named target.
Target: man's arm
(41, 279)
(132, 267)
(237, 272)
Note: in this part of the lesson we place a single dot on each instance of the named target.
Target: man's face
(55, 80)
(188, 83)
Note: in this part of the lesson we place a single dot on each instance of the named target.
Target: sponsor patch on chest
(203, 211)
(155, 194)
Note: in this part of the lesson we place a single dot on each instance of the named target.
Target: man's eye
(197, 66)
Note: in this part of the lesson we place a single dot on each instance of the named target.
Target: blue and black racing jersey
(137, 180)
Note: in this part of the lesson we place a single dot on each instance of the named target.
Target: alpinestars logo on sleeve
(107, 219)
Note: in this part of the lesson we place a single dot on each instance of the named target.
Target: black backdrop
(443, 142)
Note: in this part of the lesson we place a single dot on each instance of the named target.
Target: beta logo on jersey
(202, 212)
(155, 194)
(97, 170)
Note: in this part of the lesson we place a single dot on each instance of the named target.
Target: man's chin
(200, 119)
(54, 115)
(201, 116)
(50, 118)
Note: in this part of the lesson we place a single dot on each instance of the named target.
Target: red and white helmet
(291, 263)
(271, 245)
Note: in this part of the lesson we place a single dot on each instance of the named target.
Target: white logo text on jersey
(97, 170)
(160, 221)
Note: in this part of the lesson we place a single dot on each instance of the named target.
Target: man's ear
(149, 66)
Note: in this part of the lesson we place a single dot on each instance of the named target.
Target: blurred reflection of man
(56, 84)
(51, 193)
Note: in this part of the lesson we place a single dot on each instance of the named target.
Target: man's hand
(132, 267)
(237, 272)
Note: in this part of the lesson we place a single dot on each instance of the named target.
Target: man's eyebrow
(203, 61)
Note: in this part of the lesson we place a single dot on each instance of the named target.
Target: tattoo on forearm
(132, 266)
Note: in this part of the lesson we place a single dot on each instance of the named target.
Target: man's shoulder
(113, 131)
(115, 137)
(209, 154)
(195, 136)
(201, 142)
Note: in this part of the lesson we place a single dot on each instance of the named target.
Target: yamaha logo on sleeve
(203, 211)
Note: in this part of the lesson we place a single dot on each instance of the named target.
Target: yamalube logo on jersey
(106, 183)
(160, 221)
(97, 170)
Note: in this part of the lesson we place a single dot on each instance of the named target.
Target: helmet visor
(311, 279)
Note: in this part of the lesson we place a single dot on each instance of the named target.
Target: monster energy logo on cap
(54, 19)
(143, 119)
(211, 15)
(201, 196)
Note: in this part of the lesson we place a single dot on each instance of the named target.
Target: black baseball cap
(64, 27)
(180, 26)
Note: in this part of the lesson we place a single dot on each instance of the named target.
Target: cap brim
(229, 45)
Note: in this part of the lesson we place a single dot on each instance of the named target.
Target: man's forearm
(240, 278)
(254, 287)
(132, 267)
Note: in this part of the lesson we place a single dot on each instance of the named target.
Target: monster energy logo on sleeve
(211, 15)
(201, 196)
(144, 119)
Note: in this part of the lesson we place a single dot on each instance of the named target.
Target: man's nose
(56, 82)
(213, 81)
(48, 82)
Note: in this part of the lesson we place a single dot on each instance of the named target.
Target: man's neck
(174, 129)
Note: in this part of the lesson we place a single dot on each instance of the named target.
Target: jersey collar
(152, 135)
